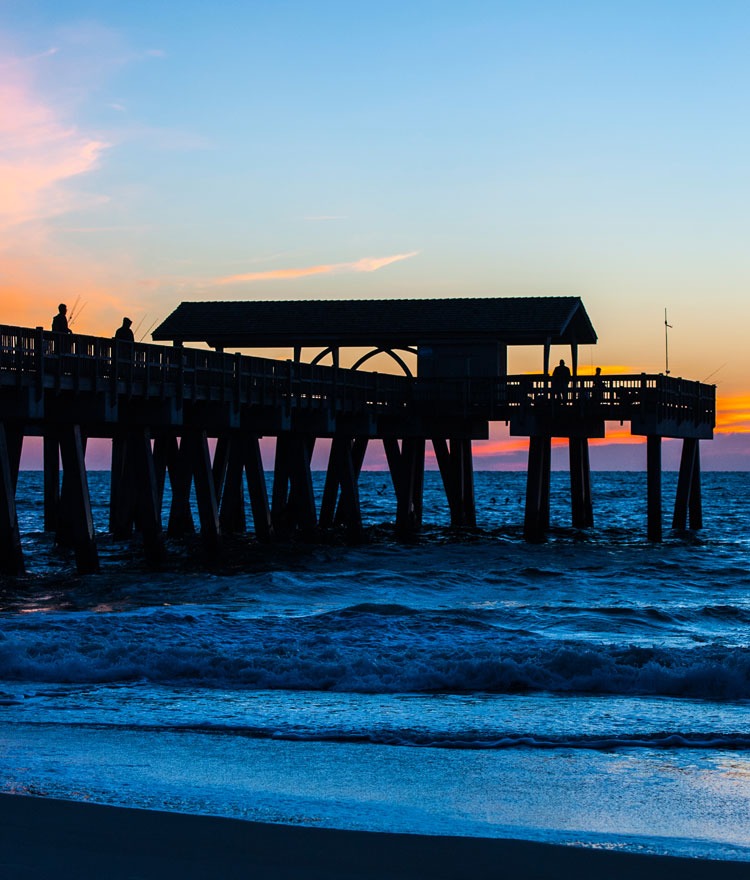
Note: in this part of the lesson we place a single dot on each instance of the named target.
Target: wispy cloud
(366, 264)
(40, 153)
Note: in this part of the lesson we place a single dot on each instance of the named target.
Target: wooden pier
(161, 405)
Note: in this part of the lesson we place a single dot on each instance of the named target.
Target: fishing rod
(710, 375)
(75, 306)
(149, 330)
(137, 326)
(75, 317)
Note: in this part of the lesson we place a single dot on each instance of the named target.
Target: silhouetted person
(560, 381)
(124, 333)
(60, 321)
(597, 386)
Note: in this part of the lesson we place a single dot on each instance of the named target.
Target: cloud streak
(39, 154)
(366, 264)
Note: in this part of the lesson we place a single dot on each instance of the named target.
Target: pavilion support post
(653, 488)
(51, 456)
(148, 505)
(256, 487)
(205, 491)
(232, 504)
(77, 501)
(11, 554)
(688, 500)
(179, 468)
(536, 519)
(580, 483)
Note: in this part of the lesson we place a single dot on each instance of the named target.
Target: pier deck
(161, 404)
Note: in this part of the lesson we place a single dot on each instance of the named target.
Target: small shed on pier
(451, 337)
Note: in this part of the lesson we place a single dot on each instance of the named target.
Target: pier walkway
(160, 405)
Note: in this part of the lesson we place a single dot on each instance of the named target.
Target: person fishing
(124, 333)
(60, 321)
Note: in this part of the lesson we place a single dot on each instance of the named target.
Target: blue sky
(327, 149)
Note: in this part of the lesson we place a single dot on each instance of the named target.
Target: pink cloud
(40, 153)
(366, 264)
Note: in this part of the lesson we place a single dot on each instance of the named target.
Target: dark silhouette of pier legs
(232, 506)
(653, 490)
(198, 460)
(256, 488)
(293, 499)
(457, 472)
(122, 490)
(580, 483)
(179, 468)
(536, 519)
(406, 465)
(11, 555)
(76, 501)
(344, 466)
(148, 496)
(51, 456)
(688, 502)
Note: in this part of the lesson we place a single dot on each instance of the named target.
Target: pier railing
(46, 361)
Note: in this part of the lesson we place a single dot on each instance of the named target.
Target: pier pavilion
(160, 405)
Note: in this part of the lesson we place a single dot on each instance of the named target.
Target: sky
(154, 152)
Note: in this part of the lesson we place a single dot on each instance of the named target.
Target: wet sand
(45, 838)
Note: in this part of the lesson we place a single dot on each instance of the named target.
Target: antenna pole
(667, 328)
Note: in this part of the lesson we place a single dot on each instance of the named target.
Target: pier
(160, 405)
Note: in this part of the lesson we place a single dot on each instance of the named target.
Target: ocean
(592, 690)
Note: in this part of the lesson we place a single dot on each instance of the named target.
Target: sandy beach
(45, 838)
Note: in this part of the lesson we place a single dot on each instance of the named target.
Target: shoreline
(43, 837)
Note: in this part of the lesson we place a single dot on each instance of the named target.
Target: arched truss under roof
(391, 352)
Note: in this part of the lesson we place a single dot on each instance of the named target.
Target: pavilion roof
(379, 322)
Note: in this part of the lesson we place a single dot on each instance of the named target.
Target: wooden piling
(256, 487)
(409, 482)
(688, 501)
(180, 471)
(232, 498)
(580, 483)
(148, 504)
(653, 488)
(11, 554)
(457, 473)
(76, 501)
(536, 518)
(51, 456)
(199, 457)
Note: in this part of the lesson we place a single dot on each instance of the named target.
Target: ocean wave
(460, 740)
(362, 649)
